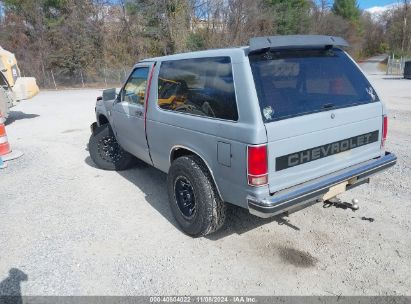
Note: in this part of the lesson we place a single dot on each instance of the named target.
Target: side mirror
(109, 94)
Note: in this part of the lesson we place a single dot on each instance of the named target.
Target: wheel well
(102, 120)
(179, 152)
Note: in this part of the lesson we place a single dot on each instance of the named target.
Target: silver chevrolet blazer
(271, 127)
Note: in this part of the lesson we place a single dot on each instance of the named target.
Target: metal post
(52, 75)
(82, 79)
(45, 76)
(402, 65)
(388, 64)
(105, 77)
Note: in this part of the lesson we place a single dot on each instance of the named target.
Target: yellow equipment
(13, 87)
(172, 94)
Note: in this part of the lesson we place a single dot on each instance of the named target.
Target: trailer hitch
(338, 203)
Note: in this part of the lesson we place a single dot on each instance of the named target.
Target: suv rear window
(198, 86)
(291, 83)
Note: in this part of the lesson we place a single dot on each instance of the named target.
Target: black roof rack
(294, 41)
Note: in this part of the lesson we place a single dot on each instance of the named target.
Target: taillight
(384, 130)
(257, 165)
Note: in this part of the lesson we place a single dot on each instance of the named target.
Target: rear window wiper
(328, 106)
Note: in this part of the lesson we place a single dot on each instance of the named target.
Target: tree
(93, 36)
(404, 38)
(75, 39)
(25, 32)
(398, 28)
(290, 16)
(374, 40)
(347, 9)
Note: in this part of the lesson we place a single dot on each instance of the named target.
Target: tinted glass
(135, 89)
(201, 86)
(290, 83)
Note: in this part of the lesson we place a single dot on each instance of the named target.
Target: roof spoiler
(295, 41)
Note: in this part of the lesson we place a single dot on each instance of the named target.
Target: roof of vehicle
(199, 54)
(259, 43)
(295, 41)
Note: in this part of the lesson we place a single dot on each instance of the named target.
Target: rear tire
(194, 202)
(106, 152)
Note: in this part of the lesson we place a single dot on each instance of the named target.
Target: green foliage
(348, 9)
(397, 52)
(62, 32)
(289, 16)
(383, 48)
(195, 42)
(132, 8)
(66, 36)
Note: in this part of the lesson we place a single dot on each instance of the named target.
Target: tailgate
(307, 147)
(320, 112)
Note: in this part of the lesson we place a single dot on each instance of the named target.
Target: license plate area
(335, 190)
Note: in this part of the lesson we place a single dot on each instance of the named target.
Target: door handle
(139, 113)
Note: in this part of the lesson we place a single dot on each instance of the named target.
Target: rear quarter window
(199, 86)
(291, 83)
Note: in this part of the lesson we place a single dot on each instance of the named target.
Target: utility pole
(404, 26)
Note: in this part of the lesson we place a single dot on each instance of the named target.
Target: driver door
(129, 111)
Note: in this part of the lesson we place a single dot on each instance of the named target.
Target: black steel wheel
(109, 149)
(194, 201)
(106, 152)
(185, 197)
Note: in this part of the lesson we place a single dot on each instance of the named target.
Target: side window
(135, 89)
(200, 86)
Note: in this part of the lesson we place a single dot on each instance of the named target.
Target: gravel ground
(68, 228)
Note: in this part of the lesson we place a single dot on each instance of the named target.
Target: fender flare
(177, 147)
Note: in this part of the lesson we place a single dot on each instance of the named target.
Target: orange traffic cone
(5, 150)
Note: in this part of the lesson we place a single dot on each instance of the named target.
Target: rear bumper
(302, 195)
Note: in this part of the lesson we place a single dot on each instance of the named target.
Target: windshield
(291, 83)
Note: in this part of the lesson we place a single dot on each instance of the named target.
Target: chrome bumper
(305, 194)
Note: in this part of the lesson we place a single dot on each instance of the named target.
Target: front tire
(106, 152)
(196, 206)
